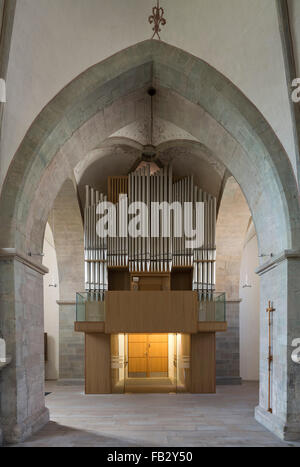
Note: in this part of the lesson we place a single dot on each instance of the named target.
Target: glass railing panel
(89, 308)
(80, 307)
(117, 346)
(213, 308)
(220, 301)
(183, 362)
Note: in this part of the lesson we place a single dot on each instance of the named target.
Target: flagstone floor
(158, 420)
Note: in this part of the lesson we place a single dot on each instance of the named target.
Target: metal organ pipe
(156, 254)
(95, 248)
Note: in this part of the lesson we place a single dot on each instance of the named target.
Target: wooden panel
(158, 349)
(137, 338)
(182, 279)
(89, 326)
(137, 353)
(98, 327)
(118, 279)
(97, 364)
(158, 353)
(158, 365)
(148, 353)
(212, 326)
(137, 365)
(150, 281)
(137, 349)
(151, 312)
(158, 338)
(203, 363)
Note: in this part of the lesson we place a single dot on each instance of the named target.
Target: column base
(285, 431)
(18, 433)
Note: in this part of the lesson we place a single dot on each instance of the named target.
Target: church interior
(148, 340)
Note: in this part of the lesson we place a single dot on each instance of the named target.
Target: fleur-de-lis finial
(158, 19)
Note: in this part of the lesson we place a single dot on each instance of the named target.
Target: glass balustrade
(213, 310)
(88, 308)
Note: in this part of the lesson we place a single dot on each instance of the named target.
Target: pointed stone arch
(99, 102)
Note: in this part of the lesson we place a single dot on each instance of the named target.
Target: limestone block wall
(51, 308)
(250, 309)
(232, 223)
(247, 30)
(22, 403)
(67, 228)
(228, 347)
(71, 348)
(285, 376)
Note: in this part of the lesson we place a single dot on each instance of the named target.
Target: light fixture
(149, 150)
(246, 285)
(266, 255)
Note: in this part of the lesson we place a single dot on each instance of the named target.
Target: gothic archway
(194, 96)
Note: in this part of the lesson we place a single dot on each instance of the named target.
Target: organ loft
(150, 311)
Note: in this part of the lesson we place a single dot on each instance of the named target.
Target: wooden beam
(89, 327)
(212, 326)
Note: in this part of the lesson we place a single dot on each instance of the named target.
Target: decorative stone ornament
(158, 19)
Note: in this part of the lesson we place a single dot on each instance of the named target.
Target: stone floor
(150, 385)
(177, 420)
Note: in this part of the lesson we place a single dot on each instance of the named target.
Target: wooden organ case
(153, 286)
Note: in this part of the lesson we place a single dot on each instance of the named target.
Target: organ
(150, 308)
(156, 254)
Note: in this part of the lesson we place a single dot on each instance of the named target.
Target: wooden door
(148, 354)
(137, 354)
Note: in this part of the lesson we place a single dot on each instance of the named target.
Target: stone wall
(228, 347)
(21, 322)
(280, 284)
(67, 228)
(71, 344)
(247, 30)
(230, 127)
(232, 223)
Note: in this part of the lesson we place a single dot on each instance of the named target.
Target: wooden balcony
(150, 312)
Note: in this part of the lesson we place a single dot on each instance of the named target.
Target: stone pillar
(232, 224)
(67, 228)
(228, 347)
(22, 402)
(71, 345)
(280, 283)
